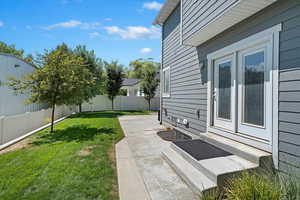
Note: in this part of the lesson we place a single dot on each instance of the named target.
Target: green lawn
(75, 162)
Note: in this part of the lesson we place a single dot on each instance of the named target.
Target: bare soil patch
(23, 144)
(86, 151)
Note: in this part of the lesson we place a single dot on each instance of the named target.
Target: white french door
(242, 93)
(255, 91)
(224, 92)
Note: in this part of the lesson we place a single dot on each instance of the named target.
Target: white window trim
(181, 22)
(166, 95)
(271, 34)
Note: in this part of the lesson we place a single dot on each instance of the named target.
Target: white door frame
(268, 35)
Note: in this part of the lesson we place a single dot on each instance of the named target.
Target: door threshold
(254, 142)
(238, 148)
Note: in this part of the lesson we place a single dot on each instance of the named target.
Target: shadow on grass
(97, 115)
(77, 133)
(105, 114)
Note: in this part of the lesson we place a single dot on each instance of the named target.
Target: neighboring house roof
(131, 81)
(14, 56)
(165, 11)
(134, 81)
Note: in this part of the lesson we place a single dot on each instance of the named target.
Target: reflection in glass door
(224, 91)
(224, 95)
(253, 98)
(255, 92)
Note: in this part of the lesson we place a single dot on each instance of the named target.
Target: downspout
(161, 73)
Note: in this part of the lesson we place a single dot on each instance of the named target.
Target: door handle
(214, 96)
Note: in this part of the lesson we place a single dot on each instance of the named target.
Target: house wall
(189, 73)
(10, 103)
(197, 14)
(134, 90)
(188, 89)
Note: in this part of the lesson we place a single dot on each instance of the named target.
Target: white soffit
(233, 15)
(165, 11)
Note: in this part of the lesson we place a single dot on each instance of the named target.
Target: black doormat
(201, 150)
(173, 136)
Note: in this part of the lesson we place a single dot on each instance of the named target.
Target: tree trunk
(53, 108)
(80, 108)
(112, 103)
(149, 104)
(52, 118)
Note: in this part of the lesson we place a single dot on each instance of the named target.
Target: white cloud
(1, 23)
(94, 35)
(93, 25)
(145, 51)
(73, 24)
(108, 19)
(134, 32)
(28, 27)
(154, 5)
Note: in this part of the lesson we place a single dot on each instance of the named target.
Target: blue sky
(115, 29)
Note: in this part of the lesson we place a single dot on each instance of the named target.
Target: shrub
(213, 195)
(291, 187)
(254, 187)
(266, 185)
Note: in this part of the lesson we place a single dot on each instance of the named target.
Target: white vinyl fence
(13, 127)
(121, 103)
(17, 126)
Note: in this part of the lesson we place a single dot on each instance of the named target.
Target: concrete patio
(142, 172)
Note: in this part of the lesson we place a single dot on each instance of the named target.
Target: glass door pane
(254, 89)
(224, 91)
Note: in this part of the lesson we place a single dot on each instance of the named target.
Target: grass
(75, 162)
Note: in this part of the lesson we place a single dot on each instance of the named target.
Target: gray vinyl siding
(197, 14)
(188, 80)
(188, 92)
(289, 115)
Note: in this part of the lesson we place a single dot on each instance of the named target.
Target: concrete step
(197, 181)
(249, 153)
(218, 169)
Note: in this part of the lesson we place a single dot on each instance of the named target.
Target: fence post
(1, 129)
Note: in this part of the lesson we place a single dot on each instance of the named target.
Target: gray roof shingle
(131, 81)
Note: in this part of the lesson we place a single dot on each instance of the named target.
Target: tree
(149, 83)
(11, 49)
(114, 80)
(95, 66)
(139, 66)
(60, 80)
(123, 92)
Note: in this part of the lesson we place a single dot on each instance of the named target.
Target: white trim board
(166, 95)
(269, 35)
(234, 14)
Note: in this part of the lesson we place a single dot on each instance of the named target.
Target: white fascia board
(230, 17)
(165, 11)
